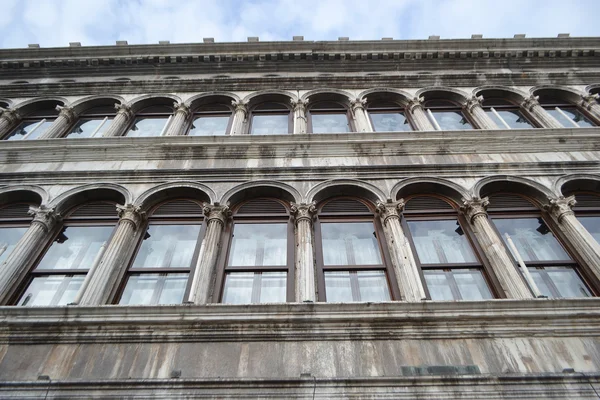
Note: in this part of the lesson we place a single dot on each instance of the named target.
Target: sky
(52, 23)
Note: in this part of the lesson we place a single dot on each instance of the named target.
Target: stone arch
(151, 99)
(429, 185)
(567, 94)
(345, 187)
(211, 97)
(513, 184)
(577, 182)
(173, 190)
(337, 95)
(504, 92)
(381, 93)
(276, 95)
(23, 193)
(28, 106)
(86, 103)
(443, 93)
(252, 189)
(92, 192)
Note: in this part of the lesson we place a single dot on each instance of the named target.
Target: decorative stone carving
(124, 109)
(474, 101)
(475, 207)
(419, 117)
(299, 115)
(305, 273)
(216, 212)
(67, 113)
(363, 124)
(358, 103)
(414, 103)
(131, 213)
(44, 216)
(240, 114)
(65, 118)
(391, 209)
(561, 206)
(121, 122)
(178, 120)
(303, 211)
(589, 100)
(546, 120)
(530, 102)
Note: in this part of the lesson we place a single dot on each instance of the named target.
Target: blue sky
(96, 22)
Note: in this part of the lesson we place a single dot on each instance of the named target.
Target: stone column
(584, 243)
(360, 115)
(305, 261)
(58, 128)
(115, 258)
(121, 122)
(418, 115)
(9, 119)
(534, 108)
(16, 266)
(239, 117)
(475, 110)
(407, 272)
(299, 115)
(203, 278)
(180, 117)
(512, 283)
(590, 103)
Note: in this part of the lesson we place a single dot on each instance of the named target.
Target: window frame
(562, 105)
(509, 107)
(390, 110)
(452, 106)
(86, 115)
(253, 111)
(198, 113)
(37, 116)
(329, 111)
(151, 115)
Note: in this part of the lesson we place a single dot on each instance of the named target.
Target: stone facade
(511, 345)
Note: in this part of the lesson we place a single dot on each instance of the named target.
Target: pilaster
(305, 274)
(240, 114)
(178, 121)
(8, 120)
(590, 103)
(475, 110)
(66, 117)
(122, 120)
(418, 115)
(360, 115)
(534, 108)
(299, 115)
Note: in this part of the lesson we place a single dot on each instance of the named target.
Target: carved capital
(240, 106)
(304, 211)
(474, 208)
(561, 206)
(10, 115)
(67, 113)
(530, 102)
(299, 105)
(124, 109)
(358, 103)
(417, 102)
(390, 209)
(130, 213)
(216, 212)
(474, 101)
(588, 100)
(182, 108)
(44, 216)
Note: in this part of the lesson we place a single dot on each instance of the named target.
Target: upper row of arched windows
(333, 115)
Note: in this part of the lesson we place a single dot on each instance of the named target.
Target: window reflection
(457, 284)
(556, 282)
(441, 242)
(9, 237)
(87, 128)
(167, 246)
(350, 243)
(592, 224)
(348, 286)
(330, 123)
(52, 290)
(30, 130)
(390, 122)
(270, 124)
(259, 245)
(451, 120)
(513, 118)
(569, 115)
(255, 287)
(209, 126)
(148, 126)
(155, 289)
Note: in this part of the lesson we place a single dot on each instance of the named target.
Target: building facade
(395, 219)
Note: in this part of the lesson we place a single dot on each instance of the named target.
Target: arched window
(166, 255)
(34, 124)
(388, 117)
(444, 251)
(567, 114)
(352, 260)
(329, 117)
(151, 121)
(93, 122)
(446, 115)
(211, 120)
(506, 114)
(259, 254)
(271, 119)
(61, 270)
(14, 221)
(554, 271)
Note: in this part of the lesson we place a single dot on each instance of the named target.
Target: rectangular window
(345, 286)
(148, 126)
(271, 124)
(451, 120)
(513, 118)
(456, 284)
(592, 224)
(87, 128)
(389, 122)
(556, 282)
(330, 123)
(441, 242)
(30, 130)
(570, 117)
(209, 125)
(9, 236)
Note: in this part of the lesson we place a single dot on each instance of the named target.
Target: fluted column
(584, 243)
(418, 115)
(58, 128)
(202, 280)
(407, 272)
(305, 261)
(121, 122)
(299, 115)
(106, 275)
(546, 120)
(475, 110)
(9, 119)
(16, 266)
(239, 117)
(590, 103)
(177, 124)
(512, 283)
(360, 115)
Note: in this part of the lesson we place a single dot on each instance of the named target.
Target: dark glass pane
(270, 124)
(348, 286)
(259, 245)
(254, 287)
(451, 120)
(390, 122)
(51, 290)
(513, 118)
(85, 128)
(441, 242)
(458, 284)
(75, 247)
(573, 114)
(330, 123)
(209, 126)
(167, 246)
(154, 289)
(532, 238)
(8, 239)
(559, 282)
(32, 128)
(146, 127)
(350, 243)
(592, 224)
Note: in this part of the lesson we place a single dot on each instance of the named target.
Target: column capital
(131, 213)
(124, 109)
(416, 102)
(358, 103)
(474, 101)
(303, 211)
(182, 108)
(216, 212)
(299, 105)
(588, 100)
(240, 106)
(10, 115)
(530, 102)
(390, 209)
(66, 112)
(561, 206)
(44, 216)
(475, 207)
